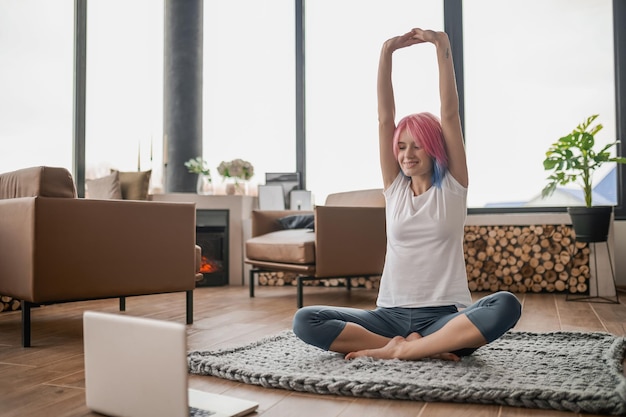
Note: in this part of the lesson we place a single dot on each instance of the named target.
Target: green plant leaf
(587, 141)
(572, 158)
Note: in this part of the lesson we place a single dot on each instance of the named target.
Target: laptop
(137, 367)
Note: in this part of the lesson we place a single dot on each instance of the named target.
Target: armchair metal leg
(300, 290)
(122, 303)
(253, 272)
(26, 323)
(189, 306)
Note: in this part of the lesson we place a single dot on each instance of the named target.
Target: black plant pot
(591, 224)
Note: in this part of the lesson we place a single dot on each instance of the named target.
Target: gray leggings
(493, 315)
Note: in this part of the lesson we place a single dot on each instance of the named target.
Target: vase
(235, 187)
(204, 186)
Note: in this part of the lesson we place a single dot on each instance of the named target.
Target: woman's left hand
(426, 35)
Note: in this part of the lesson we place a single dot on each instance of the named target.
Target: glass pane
(124, 87)
(249, 85)
(534, 70)
(343, 41)
(36, 51)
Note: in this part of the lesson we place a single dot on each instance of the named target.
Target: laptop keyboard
(197, 412)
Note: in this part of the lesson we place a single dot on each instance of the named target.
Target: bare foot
(446, 357)
(442, 356)
(391, 350)
(413, 336)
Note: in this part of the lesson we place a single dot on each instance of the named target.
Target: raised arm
(450, 118)
(386, 105)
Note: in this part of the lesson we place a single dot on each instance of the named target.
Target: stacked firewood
(539, 258)
(526, 259)
(9, 303)
(288, 278)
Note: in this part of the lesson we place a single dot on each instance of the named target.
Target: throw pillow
(104, 188)
(298, 221)
(135, 185)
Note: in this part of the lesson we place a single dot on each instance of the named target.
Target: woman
(424, 283)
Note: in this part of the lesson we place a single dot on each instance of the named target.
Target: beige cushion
(104, 188)
(37, 181)
(360, 198)
(135, 185)
(288, 246)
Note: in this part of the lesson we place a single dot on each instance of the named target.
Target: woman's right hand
(431, 36)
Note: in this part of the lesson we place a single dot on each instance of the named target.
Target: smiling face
(413, 159)
(428, 155)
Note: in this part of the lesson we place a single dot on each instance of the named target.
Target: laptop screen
(135, 366)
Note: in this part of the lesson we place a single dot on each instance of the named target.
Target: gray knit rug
(579, 372)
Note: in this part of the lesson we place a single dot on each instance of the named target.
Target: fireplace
(212, 237)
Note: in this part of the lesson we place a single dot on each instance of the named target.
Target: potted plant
(199, 166)
(573, 159)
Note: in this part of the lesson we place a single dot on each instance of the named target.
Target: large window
(249, 85)
(124, 117)
(534, 70)
(343, 41)
(36, 83)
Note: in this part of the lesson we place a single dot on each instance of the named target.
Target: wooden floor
(48, 378)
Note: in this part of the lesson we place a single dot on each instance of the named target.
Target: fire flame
(208, 266)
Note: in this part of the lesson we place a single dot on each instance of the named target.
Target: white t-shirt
(424, 264)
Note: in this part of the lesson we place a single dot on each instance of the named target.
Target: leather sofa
(348, 240)
(55, 247)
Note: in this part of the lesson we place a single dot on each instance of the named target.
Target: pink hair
(425, 129)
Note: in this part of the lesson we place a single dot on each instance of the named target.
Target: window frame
(453, 16)
(453, 23)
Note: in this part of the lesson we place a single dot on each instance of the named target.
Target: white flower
(198, 166)
(237, 168)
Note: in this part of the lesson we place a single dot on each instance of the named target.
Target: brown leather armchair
(57, 248)
(349, 240)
